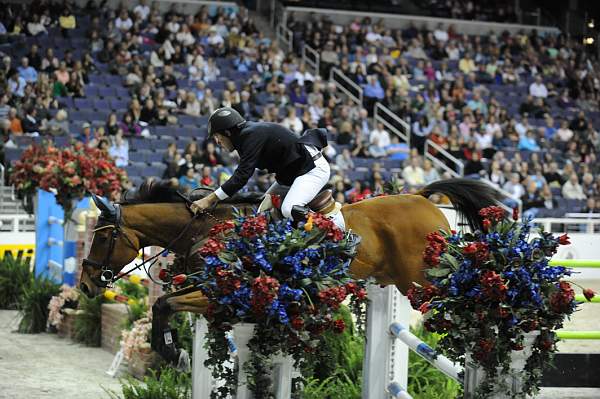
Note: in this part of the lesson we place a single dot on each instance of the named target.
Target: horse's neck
(158, 224)
(161, 224)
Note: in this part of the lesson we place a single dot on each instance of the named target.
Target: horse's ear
(104, 205)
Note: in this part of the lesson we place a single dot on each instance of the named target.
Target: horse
(393, 229)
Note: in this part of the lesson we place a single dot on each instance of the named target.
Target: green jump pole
(581, 298)
(578, 334)
(575, 263)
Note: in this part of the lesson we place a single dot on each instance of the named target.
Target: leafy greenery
(135, 311)
(15, 277)
(167, 383)
(132, 290)
(424, 380)
(338, 386)
(88, 322)
(33, 304)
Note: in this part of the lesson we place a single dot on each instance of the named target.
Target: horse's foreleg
(164, 340)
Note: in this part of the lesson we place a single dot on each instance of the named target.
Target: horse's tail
(468, 197)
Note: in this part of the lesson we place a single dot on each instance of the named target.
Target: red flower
(325, 224)
(254, 226)
(562, 300)
(516, 347)
(361, 294)
(179, 279)
(211, 247)
(351, 287)
(494, 213)
(470, 249)
(221, 227)
(486, 224)
(564, 240)
(276, 201)
(297, 323)
(339, 326)
(546, 344)
(588, 293)
(163, 274)
(515, 214)
(493, 285)
(424, 308)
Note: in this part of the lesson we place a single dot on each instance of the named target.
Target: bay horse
(393, 230)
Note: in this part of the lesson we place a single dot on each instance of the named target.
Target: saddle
(323, 203)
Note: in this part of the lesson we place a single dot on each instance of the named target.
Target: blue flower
(287, 293)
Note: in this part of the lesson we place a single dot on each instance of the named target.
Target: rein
(107, 276)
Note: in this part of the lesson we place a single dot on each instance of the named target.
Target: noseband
(107, 276)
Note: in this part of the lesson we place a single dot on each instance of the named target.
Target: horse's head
(113, 247)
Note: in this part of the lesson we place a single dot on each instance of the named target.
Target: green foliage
(33, 304)
(15, 277)
(424, 380)
(168, 383)
(88, 323)
(135, 311)
(131, 290)
(338, 386)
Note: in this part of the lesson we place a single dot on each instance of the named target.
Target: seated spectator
(413, 174)
(373, 91)
(149, 113)
(123, 22)
(119, 150)
(173, 167)
(474, 167)
(572, 189)
(206, 179)
(344, 160)
(564, 134)
(292, 122)
(532, 200)
(16, 127)
(129, 126)
(112, 124)
(95, 137)
(169, 155)
(188, 180)
(421, 129)
(379, 139)
(528, 142)
(496, 175)
(553, 176)
(466, 65)
(35, 27)
(357, 192)
(192, 105)
(27, 72)
(31, 124)
(210, 156)
(514, 187)
(527, 107)
(16, 84)
(430, 173)
(538, 88)
(66, 21)
(59, 125)
(592, 205)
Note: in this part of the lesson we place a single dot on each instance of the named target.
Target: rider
(296, 161)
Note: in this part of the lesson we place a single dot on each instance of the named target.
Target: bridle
(107, 275)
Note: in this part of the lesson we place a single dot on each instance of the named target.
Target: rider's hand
(202, 204)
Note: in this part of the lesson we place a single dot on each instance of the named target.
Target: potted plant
(496, 301)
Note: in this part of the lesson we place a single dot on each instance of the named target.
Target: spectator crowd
(518, 110)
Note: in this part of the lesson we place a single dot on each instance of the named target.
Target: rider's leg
(306, 187)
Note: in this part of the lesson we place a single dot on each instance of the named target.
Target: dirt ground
(44, 366)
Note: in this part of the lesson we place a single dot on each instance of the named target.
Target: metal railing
(391, 121)
(336, 76)
(460, 166)
(285, 37)
(15, 223)
(560, 225)
(311, 58)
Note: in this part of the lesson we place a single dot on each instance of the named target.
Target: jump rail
(576, 263)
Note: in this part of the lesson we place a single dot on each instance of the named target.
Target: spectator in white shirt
(413, 174)
(514, 187)
(292, 122)
(123, 22)
(119, 150)
(379, 136)
(538, 88)
(142, 10)
(572, 189)
(440, 34)
(35, 27)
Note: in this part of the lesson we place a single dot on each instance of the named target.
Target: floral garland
(289, 281)
(487, 289)
(69, 172)
(67, 298)
(138, 337)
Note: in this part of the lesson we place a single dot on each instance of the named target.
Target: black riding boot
(299, 214)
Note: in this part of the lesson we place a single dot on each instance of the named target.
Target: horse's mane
(161, 191)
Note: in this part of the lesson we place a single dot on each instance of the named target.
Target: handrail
(548, 222)
(376, 117)
(15, 221)
(316, 63)
(285, 36)
(452, 158)
(440, 164)
(356, 98)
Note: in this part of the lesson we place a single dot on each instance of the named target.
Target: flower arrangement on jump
(68, 172)
(489, 288)
(67, 298)
(289, 281)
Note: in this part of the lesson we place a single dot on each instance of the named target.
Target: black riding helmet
(224, 119)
